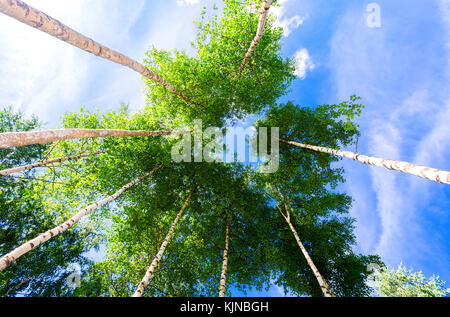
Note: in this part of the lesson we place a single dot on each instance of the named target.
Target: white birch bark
(223, 275)
(41, 21)
(12, 139)
(264, 12)
(144, 283)
(44, 163)
(326, 290)
(429, 173)
(322, 283)
(31, 244)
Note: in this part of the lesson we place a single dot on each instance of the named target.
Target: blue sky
(401, 70)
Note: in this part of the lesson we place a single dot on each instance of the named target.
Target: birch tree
(191, 265)
(223, 275)
(258, 242)
(210, 73)
(46, 162)
(287, 216)
(22, 216)
(24, 13)
(304, 191)
(31, 244)
(264, 12)
(11, 139)
(143, 285)
(429, 173)
(402, 282)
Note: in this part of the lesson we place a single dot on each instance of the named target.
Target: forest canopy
(189, 228)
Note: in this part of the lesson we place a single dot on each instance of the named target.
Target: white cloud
(406, 118)
(288, 24)
(37, 72)
(303, 63)
(44, 76)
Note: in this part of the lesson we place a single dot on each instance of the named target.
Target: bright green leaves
(350, 109)
(211, 77)
(401, 282)
(304, 183)
(24, 215)
(132, 228)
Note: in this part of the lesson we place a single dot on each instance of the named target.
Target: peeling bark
(433, 174)
(264, 12)
(223, 276)
(144, 283)
(12, 139)
(41, 21)
(31, 244)
(44, 163)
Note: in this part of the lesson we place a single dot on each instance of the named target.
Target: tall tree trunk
(264, 12)
(11, 139)
(41, 21)
(31, 244)
(322, 283)
(44, 163)
(433, 174)
(223, 276)
(144, 283)
(326, 290)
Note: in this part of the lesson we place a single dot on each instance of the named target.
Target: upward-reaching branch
(433, 174)
(144, 283)
(287, 216)
(44, 163)
(12, 139)
(264, 12)
(41, 21)
(31, 244)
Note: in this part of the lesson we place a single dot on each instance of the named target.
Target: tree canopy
(290, 228)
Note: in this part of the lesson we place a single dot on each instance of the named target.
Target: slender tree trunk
(11, 139)
(433, 174)
(31, 244)
(41, 21)
(44, 163)
(223, 276)
(144, 283)
(17, 286)
(322, 283)
(264, 12)
(326, 290)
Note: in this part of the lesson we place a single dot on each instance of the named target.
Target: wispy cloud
(44, 76)
(404, 82)
(288, 24)
(37, 73)
(303, 64)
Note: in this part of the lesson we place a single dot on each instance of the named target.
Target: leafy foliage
(306, 181)
(401, 282)
(220, 46)
(131, 230)
(42, 272)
